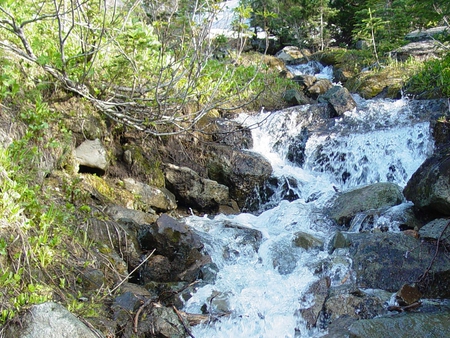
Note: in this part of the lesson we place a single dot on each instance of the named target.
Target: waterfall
(263, 279)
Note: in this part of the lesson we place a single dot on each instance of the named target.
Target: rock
(232, 134)
(193, 190)
(319, 291)
(358, 305)
(297, 147)
(305, 80)
(295, 97)
(389, 260)
(242, 171)
(321, 86)
(403, 325)
(429, 186)
(408, 294)
(91, 156)
(437, 229)
(117, 212)
(441, 132)
(290, 53)
(374, 196)
(124, 305)
(92, 279)
(177, 249)
(339, 99)
(49, 320)
(307, 241)
(421, 51)
(338, 241)
(244, 236)
(426, 34)
(158, 198)
(166, 323)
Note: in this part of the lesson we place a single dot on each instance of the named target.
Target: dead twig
(136, 316)
(180, 317)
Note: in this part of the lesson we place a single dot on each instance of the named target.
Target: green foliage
(432, 80)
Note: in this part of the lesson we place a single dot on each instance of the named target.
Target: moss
(109, 190)
(144, 164)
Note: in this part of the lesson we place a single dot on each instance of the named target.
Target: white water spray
(261, 285)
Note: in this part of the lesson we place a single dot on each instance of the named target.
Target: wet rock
(403, 325)
(374, 196)
(241, 171)
(177, 249)
(313, 300)
(429, 186)
(297, 146)
(437, 229)
(441, 132)
(48, 320)
(245, 236)
(157, 268)
(339, 99)
(193, 190)
(158, 198)
(357, 304)
(294, 97)
(389, 260)
(338, 241)
(307, 241)
(91, 157)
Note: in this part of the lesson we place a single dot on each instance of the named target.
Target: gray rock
(295, 97)
(242, 171)
(92, 154)
(389, 260)
(339, 99)
(437, 229)
(429, 186)
(49, 320)
(319, 291)
(193, 190)
(321, 86)
(403, 325)
(158, 198)
(118, 212)
(374, 196)
(421, 50)
(307, 241)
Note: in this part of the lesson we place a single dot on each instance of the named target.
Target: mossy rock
(144, 164)
(386, 83)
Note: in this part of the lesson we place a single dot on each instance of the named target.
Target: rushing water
(261, 286)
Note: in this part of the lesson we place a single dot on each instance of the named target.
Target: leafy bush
(432, 80)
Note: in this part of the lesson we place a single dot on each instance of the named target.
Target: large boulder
(403, 325)
(429, 186)
(242, 171)
(49, 320)
(231, 133)
(389, 260)
(375, 196)
(339, 99)
(195, 191)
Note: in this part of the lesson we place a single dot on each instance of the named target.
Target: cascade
(262, 279)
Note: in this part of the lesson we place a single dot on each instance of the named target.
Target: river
(261, 285)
